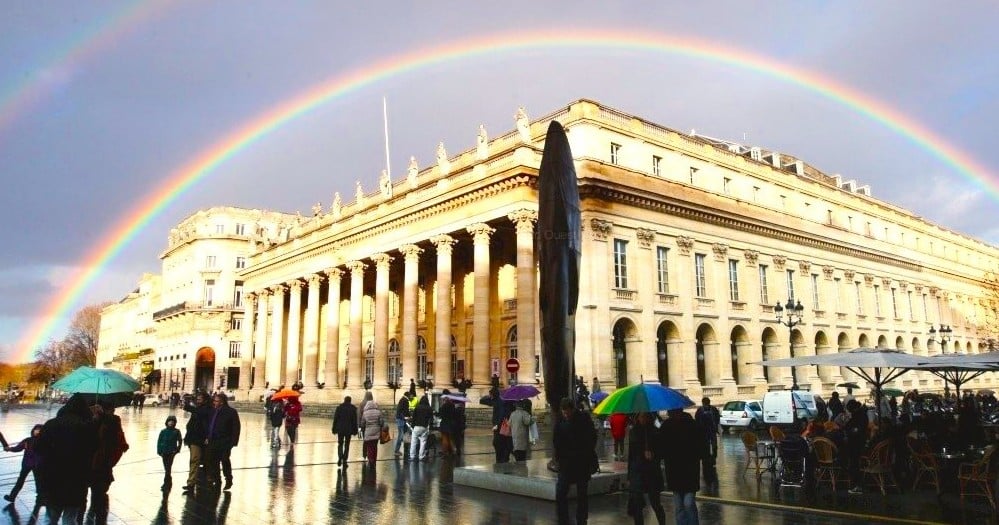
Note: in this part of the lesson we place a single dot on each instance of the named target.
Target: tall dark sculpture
(558, 245)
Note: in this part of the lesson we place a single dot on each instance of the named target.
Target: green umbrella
(891, 392)
(89, 380)
(644, 397)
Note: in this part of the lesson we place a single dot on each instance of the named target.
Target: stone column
(526, 292)
(331, 368)
(479, 366)
(355, 354)
(310, 338)
(382, 262)
(411, 252)
(260, 352)
(276, 350)
(442, 309)
(293, 352)
(246, 347)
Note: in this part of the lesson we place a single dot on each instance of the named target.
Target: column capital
(480, 232)
(684, 243)
(356, 267)
(524, 220)
(315, 280)
(411, 252)
(720, 250)
(645, 237)
(278, 290)
(779, 262)
(333, 273)
(444, 243)
(381, 260)
(249, 297)
(828, 271)
(751, 256)
(263, 293)
(295, 285)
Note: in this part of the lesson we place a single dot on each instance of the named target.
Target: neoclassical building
(688, 244)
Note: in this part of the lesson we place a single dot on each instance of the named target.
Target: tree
(83, 336)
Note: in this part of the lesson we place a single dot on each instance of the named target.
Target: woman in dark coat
(645, 477)
(66, 445)
(574, 446)
(684, 444)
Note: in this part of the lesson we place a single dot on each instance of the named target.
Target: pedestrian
(66, 445)
(167, 446)
(645, 475)
(368, 397)
(275, 412)
(683, 445)
(223, 435)
(111, 445)
(28, 463)
(344, 427)
(412, 388)
(195, 435)
(573, 443)
(520, 431)
(618, 430)
(372, 422)
(292, 418)
(710, 420)
(835, 406)
(502, 442)
(449, 425)
(402, 413)
(855, 433)
(422, 416)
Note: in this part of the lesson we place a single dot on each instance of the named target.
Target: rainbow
(259, 127)
(18, 98)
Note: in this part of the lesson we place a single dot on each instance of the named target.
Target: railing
(667, 299)
(188, 306)
(509, 305)
(746, 390)
(709, 391)
(705, 304)
(819, 314)
(841, 316)
(737, 305)
(624, 295)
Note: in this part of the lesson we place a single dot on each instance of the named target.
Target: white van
(788, 408)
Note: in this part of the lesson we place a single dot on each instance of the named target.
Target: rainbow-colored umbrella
(644, 397)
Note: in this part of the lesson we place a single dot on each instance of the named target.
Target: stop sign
(512, 365)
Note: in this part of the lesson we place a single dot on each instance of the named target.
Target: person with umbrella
(223, 435)
(449, 424)
(683, 444)
(66, 445)
(520, 429)
(292, 418)
(573, 443)
(645, 477)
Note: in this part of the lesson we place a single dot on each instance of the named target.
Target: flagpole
(388, 165)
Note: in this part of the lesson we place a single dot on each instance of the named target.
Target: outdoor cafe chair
(878, 464)
(753, 457)
(827, 466)
(978, 477)
(777, 434)
(924, 463)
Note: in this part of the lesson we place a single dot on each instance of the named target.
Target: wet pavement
(303, 485)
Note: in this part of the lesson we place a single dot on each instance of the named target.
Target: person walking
(710, 419)
(449, 426)
(275, 412)
(28, 463)
(574, 443)
(422, 416)
(372, 422)
(344, 427)
(195, 435)
(292, 418)
(111, 445)
(66, 445)
(167, 446)
(402, 413)
(683, 445)
(645, 475)
(223, 435)
(618, 431)
(855, 432)
(520, 431)
(368, 397)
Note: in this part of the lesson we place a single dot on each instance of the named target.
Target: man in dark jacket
(111, 445)
(423, 416)
(710, 420)
(194, 438)
(344, 426)
(401, 415)
(684, 445)
(67, 446)
(222, 436)
(574, 444)
(855, 431)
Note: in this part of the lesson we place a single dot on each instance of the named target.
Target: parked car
(742, 414)
(792, 408)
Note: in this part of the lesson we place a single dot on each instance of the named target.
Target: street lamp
(794, 317)
(944, 332)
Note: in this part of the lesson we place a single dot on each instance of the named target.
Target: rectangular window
(240, 229)
(421, 367)
(790, 285)
(615, 153)
(756, 194)
(210, 261)
(219, 228)
(860, 298)
(693, 171)
(234, 349)
(620, 263)
(877, 300)
(764, 293)
(926, 316)
(912, 313)
(657, 166)
(240, 262)
(700, 286)
(815, 291)
(733, 280)
(662, 269)
(237, 323)
(836, 294)
(209, 291)
(894, 304)
(726, 186)
(237, 294)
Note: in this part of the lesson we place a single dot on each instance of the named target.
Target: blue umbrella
(89, 380)
(644, 397)
(519, 392)
(597, 397)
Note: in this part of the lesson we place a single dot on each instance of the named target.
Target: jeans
(685, 508)
(167, 467)
(219, 456)
(562, 501)
(636, 506)
(418, 442)
(275, 436)
(292, 431)
(20, 481)
(69, 515)
(400, 429)
(343, 447)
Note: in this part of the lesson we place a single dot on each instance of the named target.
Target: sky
(104, 103)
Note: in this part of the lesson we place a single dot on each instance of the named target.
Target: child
(167, 446)
(28, 463)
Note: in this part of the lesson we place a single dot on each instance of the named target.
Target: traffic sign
(512, 365)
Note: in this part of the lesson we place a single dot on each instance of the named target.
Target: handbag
(384, 436)
(504, 429)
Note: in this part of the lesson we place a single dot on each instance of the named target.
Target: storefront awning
(154, 376)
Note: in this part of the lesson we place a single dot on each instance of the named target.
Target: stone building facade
(688, 244)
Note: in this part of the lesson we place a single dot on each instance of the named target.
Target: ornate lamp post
(944, 332)
(794, 317)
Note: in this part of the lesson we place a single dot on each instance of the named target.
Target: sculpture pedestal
(532, 478)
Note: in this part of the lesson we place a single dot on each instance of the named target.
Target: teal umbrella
(644, 397)
(89, 380)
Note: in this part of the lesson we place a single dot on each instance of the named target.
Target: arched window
(394, 362)
(454, 358)
(511, 351)
(421, 358)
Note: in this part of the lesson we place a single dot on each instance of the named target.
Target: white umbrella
(958, 369)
